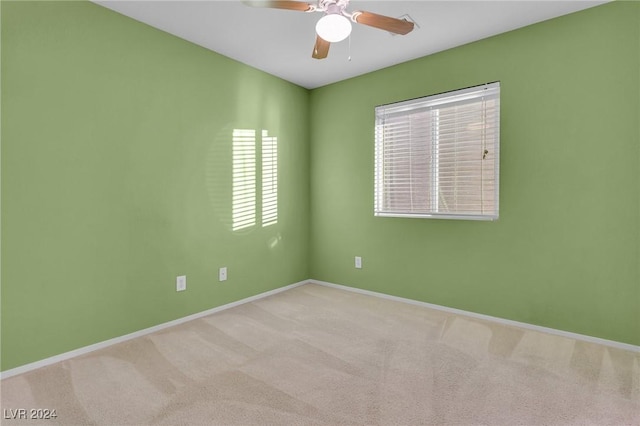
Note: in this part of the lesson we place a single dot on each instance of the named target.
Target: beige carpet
(316, 355)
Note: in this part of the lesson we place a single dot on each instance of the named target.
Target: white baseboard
(100, 345)
(576, 336)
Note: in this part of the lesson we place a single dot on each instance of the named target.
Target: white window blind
(439, 156)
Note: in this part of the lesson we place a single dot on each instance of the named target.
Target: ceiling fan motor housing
(333, 7)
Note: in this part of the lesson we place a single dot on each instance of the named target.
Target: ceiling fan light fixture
(333, 28)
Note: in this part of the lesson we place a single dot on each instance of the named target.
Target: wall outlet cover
(222, 274)
(181, 283)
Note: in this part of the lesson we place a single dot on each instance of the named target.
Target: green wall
(565, 251)
(116, 178)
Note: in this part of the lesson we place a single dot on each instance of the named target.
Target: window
(244, 191)
(439, 156)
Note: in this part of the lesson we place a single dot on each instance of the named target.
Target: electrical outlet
(222, 274)
(358, 262)
(181, 283)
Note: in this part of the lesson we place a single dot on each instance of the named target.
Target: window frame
(431, 105)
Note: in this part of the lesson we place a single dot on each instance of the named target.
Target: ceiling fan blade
(283, 4)
(321, 49)
(393, 25)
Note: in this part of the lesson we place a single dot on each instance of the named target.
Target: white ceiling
(280, 41)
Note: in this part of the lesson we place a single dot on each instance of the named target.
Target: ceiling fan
(334, 26)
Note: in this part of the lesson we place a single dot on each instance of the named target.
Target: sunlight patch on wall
(244, 179)
(269, 179)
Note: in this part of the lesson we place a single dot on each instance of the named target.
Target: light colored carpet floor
(315, 355)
